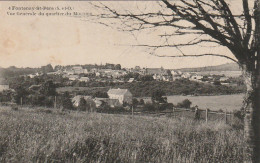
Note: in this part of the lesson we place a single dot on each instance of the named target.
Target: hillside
(223, 67)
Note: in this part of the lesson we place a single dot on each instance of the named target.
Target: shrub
(239, 114)
(135, 102)
(165, 106)
(157, 96)
(141, 102)
(149, 107)
(82, 104)
(67, 104)
(184, 104)
(14, 107)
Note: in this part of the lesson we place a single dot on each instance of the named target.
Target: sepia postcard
(164, 81)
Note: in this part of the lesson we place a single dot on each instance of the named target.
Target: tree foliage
(82, 104)
(157, 96)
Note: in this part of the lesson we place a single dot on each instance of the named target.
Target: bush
(239, 114)
(141, 102)
(184, 104)
(238, 120)
(67, 104)
(157, 96)
(135, 102)
(149, 107)
(14, 107)
(165, 106)
(82, 104)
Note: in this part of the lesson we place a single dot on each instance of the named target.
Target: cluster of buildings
(116, 98)
(78, 73)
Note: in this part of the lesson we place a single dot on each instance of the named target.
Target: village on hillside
(103, 85)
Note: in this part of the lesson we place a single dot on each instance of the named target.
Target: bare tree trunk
(248, 129)
(256, 118)
(252, 114)
(256, 87)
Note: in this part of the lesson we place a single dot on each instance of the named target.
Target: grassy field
(40, 135)
(229, 102)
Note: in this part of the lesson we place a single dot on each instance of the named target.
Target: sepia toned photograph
(160, 81)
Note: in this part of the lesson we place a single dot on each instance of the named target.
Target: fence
(206, 114)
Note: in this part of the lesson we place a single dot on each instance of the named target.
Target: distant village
(78, 73)
(116, 97)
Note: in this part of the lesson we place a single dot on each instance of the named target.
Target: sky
(33, 41)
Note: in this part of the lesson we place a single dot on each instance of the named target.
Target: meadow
(47, 135)
(223, 102)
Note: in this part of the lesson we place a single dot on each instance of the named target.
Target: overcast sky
(36, 41)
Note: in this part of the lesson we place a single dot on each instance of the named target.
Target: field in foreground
(37, 135)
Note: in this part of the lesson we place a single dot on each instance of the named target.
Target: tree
(48, 88)
(135, 102)
(169, 72)
(141, 102)
(208, 23)
(184, 104)
(20, 92)
(100, 94)
(146, 78)
(82, 104)
(157, 96)
(47, 68)
(117, 67)
(66, 101)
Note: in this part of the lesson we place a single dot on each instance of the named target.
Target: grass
(40, 135)
(229, 102)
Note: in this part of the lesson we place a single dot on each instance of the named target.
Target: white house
(4, 87)
(75, 100)
(73, 77)
(131, 80)
(85, 79)
(123, 95)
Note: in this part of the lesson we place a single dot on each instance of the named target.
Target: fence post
(232, 116)
(226, 116)
(21, 101)
(55, 102)
(207, 115)
(173, 111)
(132, 112)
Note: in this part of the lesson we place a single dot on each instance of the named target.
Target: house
(75, 101)
(35, 88)
(160, 71)
(131, 80)
(77, 69)
(111, 102)
(73, 77)
(4, 87)
(186, 75)
(34, 75)
(97, 74)
(84, 79)
(223, 79)
(123, 95)
(142, 71)
(157, 77)
(196, 77)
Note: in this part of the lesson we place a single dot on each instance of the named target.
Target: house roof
(131, 80)
(75, 100)
(117, 91)
(84, 79)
